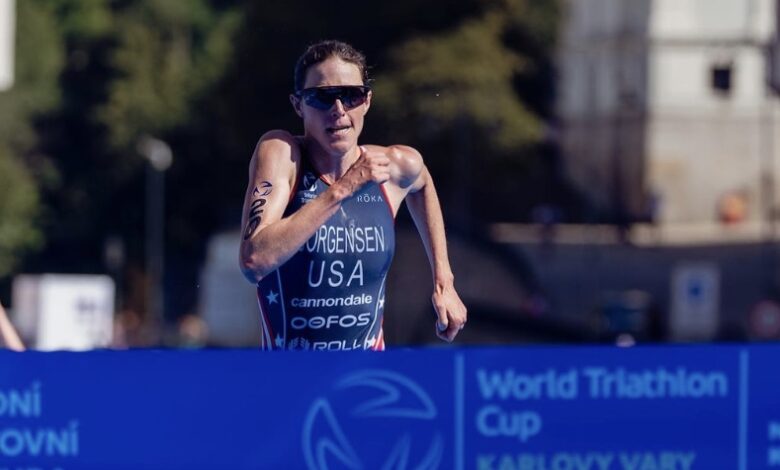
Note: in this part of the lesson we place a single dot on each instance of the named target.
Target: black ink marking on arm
(255, 209)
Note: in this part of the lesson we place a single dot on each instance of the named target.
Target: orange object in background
(732, 207)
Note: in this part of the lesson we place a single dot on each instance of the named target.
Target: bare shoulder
(406, 164)
(276, 151)
(277, 144)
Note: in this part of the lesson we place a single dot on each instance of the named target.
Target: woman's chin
(335, 145)
(340, 146)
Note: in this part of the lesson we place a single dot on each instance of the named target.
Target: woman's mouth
(338, 130)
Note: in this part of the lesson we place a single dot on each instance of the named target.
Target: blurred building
(7, 43)
(227, 302)
(666, 111)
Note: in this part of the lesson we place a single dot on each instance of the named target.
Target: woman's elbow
(252, 266)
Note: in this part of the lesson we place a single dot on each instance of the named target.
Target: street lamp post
(159, 156)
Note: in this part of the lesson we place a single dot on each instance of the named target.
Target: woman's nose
(338, 108)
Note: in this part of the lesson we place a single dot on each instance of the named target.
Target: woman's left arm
(423, 204)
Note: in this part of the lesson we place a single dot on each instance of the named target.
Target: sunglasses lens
(319, 99)
(324, 97)
(352, 97)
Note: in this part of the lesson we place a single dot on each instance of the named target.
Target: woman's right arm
(268, 239)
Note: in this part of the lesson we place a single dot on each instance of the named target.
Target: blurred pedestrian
(319, 212)
(9, 338)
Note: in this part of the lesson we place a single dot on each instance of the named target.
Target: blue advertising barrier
(534, 408)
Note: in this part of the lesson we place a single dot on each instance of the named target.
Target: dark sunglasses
(324, 97)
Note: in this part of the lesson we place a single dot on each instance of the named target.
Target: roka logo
(337, 426)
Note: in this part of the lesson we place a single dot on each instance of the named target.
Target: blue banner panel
(563, 408)
(670, 408)
(761, 406)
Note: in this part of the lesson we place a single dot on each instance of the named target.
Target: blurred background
(607, 168)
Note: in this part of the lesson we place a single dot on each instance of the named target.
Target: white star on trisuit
(272, 297)
(381, 302)
(279, 342)
(370, 342)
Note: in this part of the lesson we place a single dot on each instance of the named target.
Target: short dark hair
(323, 50)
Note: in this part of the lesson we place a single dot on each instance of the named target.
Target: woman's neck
(332, 166)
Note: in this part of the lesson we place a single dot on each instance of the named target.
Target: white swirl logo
(310, 182)
(336, 428)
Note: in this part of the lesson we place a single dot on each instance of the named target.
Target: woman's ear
(296, 104)
(368, 99)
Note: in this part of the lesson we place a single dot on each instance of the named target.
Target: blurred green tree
(434, 82)
(210, 76)
(18, 210)
(23, 169)
(168, 54)
(127, 69)
(455, 93)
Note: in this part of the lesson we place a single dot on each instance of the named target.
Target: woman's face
(335, 129)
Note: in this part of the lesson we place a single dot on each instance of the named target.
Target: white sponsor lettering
(335, 277)
(26, 402)
(773, 457)
(659, 460)
(659, 383)
(663, 460)
(329, 239)
(342, 321)
(773, 431)
(602, 383)
(493, 421)
(363, 299)
(15, 442)
(341, 345)
(510, 384)
(555, 461)
(369, 198)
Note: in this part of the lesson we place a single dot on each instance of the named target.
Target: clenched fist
(371, 166)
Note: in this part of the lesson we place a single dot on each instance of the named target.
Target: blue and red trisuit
(330, 295)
